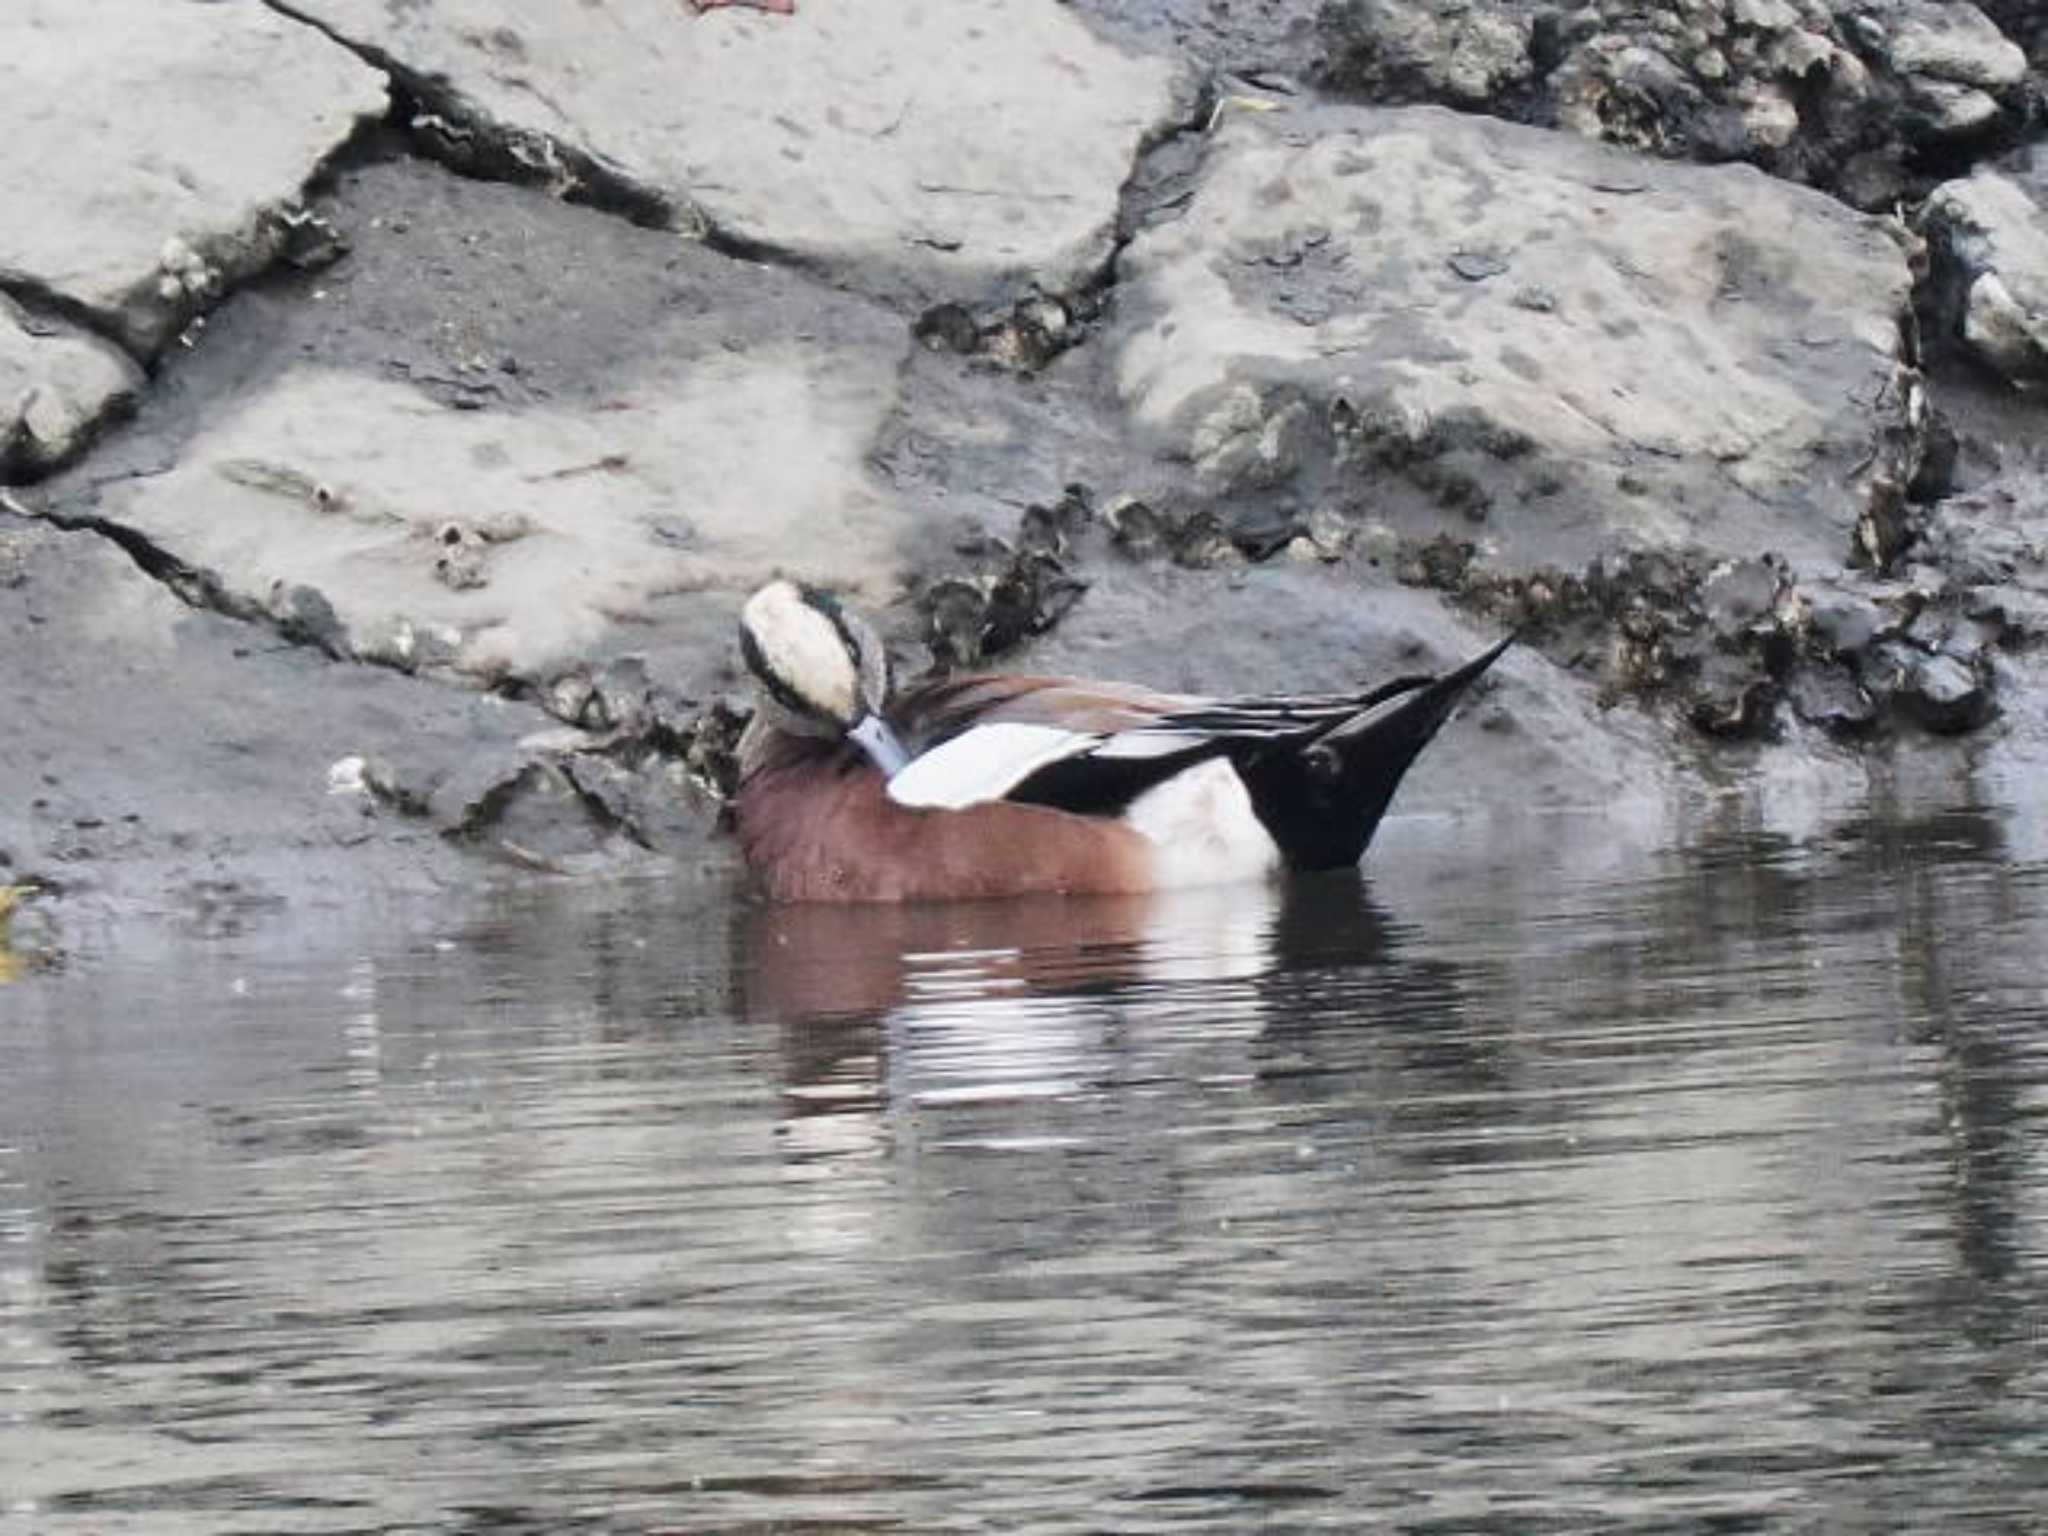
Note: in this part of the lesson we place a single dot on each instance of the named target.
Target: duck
(980, 785)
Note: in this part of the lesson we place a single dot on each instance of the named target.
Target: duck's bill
(874, 737)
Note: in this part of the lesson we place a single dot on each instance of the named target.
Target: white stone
(1998, 235)
(346, 776)
(957, 145)
(1955, 111)
(1956, 42)
(1765, 15)
(147, 143)
(1771, 119)
(54, 391)
(2006, 332)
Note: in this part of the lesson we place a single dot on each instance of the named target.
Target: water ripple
(1702, 1196)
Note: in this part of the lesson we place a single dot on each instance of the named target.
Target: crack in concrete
(1014, 329)
(196, 588)
(192, 587)
(474, 144)
(704, 745)
(44, 302)
(438, 124)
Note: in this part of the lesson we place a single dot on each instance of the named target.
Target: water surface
(1704, 1194)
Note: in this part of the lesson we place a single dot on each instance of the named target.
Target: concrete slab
(390, 527)
(508, 437)
(1541, 344)
(150, 145)
(958, 147)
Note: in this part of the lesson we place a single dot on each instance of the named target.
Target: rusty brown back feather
(930, 712)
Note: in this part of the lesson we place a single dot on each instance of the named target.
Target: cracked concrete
(395, 460)
(954, 149)
(151, 148)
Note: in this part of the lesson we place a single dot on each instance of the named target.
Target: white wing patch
(1144, 741)
(984, 763)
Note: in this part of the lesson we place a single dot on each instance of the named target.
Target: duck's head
(820, 669)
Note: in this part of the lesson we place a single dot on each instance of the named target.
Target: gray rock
(1953, 42)
(1940, 692)
(1715, 363)
(1738, 594)
(1992, 546)
(1989, 235)
(1829, 696)
(56, 389)
(1954, 111)
(1269, 45)
(962, 149)
(1846, 623)
(2025, 22)
(151, 150)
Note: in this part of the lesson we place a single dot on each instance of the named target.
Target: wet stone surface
(428, 458)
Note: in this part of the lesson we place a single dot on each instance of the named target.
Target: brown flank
(816, 824)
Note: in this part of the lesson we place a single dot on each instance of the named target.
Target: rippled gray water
(1704, 1195)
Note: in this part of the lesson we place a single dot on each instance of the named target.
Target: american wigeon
(971, 786)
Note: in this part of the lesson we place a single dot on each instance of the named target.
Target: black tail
(1322, 799)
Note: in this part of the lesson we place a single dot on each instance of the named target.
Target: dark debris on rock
(1868, 99)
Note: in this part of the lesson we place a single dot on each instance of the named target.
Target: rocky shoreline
(395, 402)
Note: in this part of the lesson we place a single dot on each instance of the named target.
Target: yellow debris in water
(12, 965)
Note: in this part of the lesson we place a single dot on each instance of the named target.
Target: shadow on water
(1703, 1197)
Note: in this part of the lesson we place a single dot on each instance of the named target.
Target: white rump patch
(1205, 828)
(984, 764)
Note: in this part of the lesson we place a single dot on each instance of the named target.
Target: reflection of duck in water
(818, 964)
(932, 1003)
(971, 1002)
(993, 786)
